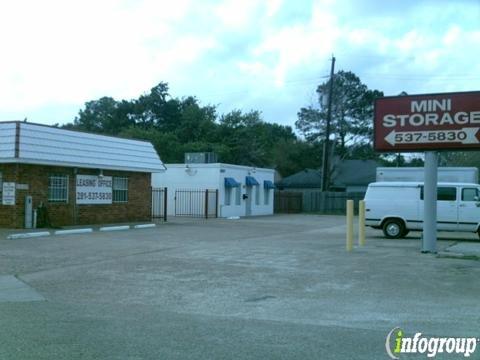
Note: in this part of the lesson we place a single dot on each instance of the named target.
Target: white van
(397, 207)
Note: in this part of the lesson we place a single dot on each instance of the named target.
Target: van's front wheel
(393, 229)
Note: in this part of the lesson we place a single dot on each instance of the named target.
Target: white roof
(7, 140)
(420, 169)
(45, 145)
(416, 183)
(218, 165)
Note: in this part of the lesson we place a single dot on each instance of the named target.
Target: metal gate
(159, 203)
(196, 203)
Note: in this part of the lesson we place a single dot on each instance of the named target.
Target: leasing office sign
(91, 189)
(427, 122)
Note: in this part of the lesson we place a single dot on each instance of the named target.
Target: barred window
(120, 189)
(58, 188)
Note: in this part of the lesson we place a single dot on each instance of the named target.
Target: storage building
(75, 177)
(216, 190)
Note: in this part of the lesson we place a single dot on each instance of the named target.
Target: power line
(293, 82)
(422, 77)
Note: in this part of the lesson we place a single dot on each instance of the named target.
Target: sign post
(429, 238)
(429, 123)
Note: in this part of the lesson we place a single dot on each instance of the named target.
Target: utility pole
(326, 144)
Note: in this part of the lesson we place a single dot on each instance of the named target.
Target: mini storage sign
(449, 121)
(93, 189)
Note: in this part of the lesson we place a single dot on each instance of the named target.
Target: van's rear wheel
(393, 229)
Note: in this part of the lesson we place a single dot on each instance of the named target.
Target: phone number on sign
(94, 196)
(432, 136)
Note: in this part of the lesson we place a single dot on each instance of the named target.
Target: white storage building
(233, 190)
(445, 174)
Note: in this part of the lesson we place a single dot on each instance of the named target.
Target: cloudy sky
(267, 55)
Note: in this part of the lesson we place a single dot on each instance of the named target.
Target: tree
(460, 158)
(352, 113)
(241, 134)
(249, 138)
(195, 123)
(157, 109)
(104, 115)
(166, 144)
(291, 156)
(178, 125)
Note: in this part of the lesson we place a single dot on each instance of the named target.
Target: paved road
(277, 287)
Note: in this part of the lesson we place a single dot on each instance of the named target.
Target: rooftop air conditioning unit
(201, 158)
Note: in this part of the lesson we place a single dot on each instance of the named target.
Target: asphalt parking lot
(280, 287)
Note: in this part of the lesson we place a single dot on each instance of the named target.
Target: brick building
(79, 178)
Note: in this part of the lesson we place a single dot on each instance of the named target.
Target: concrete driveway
(278, 287)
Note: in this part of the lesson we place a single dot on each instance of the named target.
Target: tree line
(177, 125)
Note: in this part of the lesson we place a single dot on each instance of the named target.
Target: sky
(266, 55)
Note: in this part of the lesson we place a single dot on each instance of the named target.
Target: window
(443, 194)
(228, 196)
(1, 188)
(238, 195)
(266, 196)
(447, 194)
(229, 184)
(58, 188)
(257, 195)
(120, 189)
(469, 194)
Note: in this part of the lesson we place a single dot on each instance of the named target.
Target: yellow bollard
(361, 222)
(349, 225)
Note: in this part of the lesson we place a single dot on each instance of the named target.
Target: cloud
(267, 55)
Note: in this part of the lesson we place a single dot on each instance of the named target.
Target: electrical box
(28, 212)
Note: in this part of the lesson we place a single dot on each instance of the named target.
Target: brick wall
(138, 207)
(7, 213)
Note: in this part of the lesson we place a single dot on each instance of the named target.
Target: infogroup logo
(397, 343)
